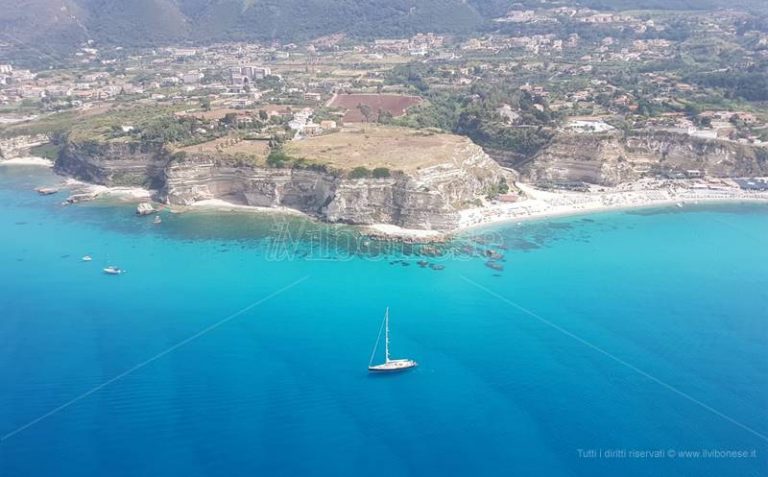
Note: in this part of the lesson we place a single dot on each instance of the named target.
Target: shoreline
(91, 192)
(538, 204)
(223, 205)
(576, 212)
(27, 161)
(543, 204)
(394, 232)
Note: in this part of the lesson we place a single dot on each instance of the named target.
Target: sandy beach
(94, 191)
(390, 230)
(218, 204)
(27, 161)
(539, 203)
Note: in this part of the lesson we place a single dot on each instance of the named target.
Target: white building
(245, 75)
(192, 77)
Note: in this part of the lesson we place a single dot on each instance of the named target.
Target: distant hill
(47, 25)
(751, 5)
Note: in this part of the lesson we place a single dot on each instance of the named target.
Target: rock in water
(145, 208)
(46, 190)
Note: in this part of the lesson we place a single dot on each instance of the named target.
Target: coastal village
(545, 79)
(383, 238)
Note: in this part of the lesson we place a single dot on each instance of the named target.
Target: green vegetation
(750, 85)
(278, 159)
(159, 22)
(362, 172)
(48, 151)
(359, 172)
(58, 123)
(475, 113)
(498, 189)
(381, 173)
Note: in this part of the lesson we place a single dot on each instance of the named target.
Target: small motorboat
(86, 258)
(157, 220)
(113, 270)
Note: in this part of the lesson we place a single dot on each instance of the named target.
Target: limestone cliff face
(200, 177)
(717, 158)
(425, 199)
(612, 158)
(114, 164)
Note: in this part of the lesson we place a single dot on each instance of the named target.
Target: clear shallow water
(282, 388)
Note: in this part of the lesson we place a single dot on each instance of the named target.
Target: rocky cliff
(114, 163)
(428, 198)
(613, 158)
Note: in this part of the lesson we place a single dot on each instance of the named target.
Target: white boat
(113, 271)
(389, 365)
(86, 258)
(157, 220)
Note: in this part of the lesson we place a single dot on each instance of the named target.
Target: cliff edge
(410, 179)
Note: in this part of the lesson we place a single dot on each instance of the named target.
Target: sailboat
(389, 365)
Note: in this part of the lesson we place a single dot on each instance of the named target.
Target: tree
(278, 158)
(229, 119)
(381, 173)
(359, 172)
(692, 110)
(367, 112)
(385, 117)
(503, 186)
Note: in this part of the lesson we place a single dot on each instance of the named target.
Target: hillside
(46, 26)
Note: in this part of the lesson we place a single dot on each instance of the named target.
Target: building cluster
(561, 15)
(420, 44)
(566, 70)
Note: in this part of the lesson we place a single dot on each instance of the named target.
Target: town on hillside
(539, 74)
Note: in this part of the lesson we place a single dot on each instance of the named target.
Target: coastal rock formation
(20, 145)
(401, 201)
(145, 208)
(131, 164)
(424, 198)
(613, 158)
(202, 177)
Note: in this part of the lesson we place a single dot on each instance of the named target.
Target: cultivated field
(395, 104)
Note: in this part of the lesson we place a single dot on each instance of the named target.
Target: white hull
(393, 365)
(389, 365)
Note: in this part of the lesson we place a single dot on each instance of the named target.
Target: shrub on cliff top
(381, 173)
(278, 158)
(359, 173)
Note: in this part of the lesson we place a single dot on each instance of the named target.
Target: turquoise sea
(615, 344)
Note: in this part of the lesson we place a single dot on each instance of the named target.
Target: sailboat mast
(386, 336)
